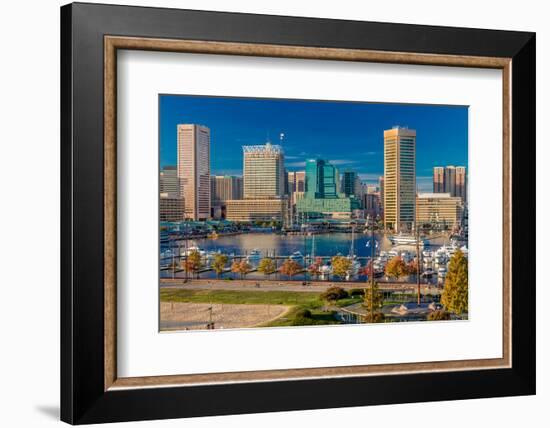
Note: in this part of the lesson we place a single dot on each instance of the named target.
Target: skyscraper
(290, 182)
(371, 203)
(300, 181)
(296, 181)
(225, 187)
(381, 185)
(450, 179)
(439, 179)
(263, 171)
(461, 183)
(322, 195)
(193, 169)
(349, 183)
(321, 179)
(399, 178)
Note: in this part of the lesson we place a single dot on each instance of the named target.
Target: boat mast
(417, 249)
(418, 265)
(352, 240)
(371, 300)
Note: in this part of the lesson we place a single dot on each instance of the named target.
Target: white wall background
(29, 185)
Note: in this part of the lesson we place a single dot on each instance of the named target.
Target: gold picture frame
(114, 43)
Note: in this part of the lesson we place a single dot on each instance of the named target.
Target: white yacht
(192, 249)
(402, 239)
(441, 272)
(428, 273)
(325, 271)
(354, 268)
(393, 253)
(254, 254)
(427, 253)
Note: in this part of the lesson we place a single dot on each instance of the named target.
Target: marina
(306, 250)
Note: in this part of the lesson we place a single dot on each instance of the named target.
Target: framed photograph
(267, 213)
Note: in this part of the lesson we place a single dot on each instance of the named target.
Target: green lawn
(318, 317)
(289, 298)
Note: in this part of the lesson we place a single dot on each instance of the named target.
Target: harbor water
(304, 247)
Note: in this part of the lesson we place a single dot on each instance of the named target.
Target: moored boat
(403, 239)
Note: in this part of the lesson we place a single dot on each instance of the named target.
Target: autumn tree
(455, 291)
(266, 266)
(193, 263)
(412, 267)
(241, 267)
(315, 268)
(290, 268)
(396, 268)
(367, 270)
(372, 301)
(235, 266)
(218, 265)
(245, 268)
(341, 266)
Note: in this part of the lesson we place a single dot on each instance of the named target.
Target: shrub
(302, 317)
(334, 293)
(303, 313)
(377, 317)
(357, 292)
(297, 321)
(439, 316)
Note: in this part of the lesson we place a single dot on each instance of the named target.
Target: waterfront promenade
(297, 286)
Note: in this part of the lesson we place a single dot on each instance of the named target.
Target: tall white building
(193, 170)
(263, 172)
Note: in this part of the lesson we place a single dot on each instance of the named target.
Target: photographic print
(284, 212)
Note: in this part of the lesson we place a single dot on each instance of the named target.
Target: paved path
(314, 287)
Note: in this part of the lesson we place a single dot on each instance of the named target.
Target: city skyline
(310, 127)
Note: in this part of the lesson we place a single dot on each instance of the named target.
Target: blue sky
(349, 134)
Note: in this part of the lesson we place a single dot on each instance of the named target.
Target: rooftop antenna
(281, 137)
